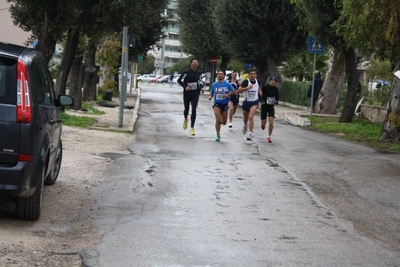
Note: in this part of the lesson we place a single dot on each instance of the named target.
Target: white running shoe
(250, 137)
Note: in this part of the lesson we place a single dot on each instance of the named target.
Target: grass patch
(78, 121)
(90, 109)
(359, 130)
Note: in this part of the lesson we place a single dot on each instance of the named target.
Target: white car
(146, 78)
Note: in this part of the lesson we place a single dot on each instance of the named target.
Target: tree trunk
(266, 70)
(391, 125)
(330, 92)
(75, 84)
(89, 87)
(224, 62)
(353, 87)
(46, 41)
(66, 62)
(46, 45)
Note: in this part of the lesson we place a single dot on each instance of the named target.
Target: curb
(136, 109)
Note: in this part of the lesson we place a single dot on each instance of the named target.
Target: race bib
(252, 95)
(192, 86)
(220, 96)
(270, 100)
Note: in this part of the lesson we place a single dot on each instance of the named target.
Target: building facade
(170, 51)
(9, 33)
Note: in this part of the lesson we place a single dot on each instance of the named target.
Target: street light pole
(124, 65)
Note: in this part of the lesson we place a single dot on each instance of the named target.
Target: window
(8, 81)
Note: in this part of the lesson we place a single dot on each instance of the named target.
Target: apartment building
(170, 52)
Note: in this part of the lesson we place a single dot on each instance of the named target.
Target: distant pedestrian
(221, 90)
(233, 99)
(251, 88)
(171, 79)
(269, 96)
(318, 82)
(189, 80)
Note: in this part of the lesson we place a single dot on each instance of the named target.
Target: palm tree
(300, 66)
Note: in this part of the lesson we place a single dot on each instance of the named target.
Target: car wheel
(30, 208)
(55, 170)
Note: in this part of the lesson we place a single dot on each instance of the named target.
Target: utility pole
(124, 75)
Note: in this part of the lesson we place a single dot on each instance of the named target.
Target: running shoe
(230, 125)
(262, 127)
(244, 129)
(269, 139)
(218, 137)
(250, 137)
(185, 122)
(192, 131)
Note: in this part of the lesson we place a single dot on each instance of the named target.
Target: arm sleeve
(245, 83)
(181, 80)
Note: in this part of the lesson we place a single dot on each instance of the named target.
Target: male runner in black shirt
(269, 96)
(189, 80)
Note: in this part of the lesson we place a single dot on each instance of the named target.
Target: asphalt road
(307, 199)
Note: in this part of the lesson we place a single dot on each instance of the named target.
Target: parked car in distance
(163, 79)
(175, 80)
(155, 78)
(146, 78)
(30, 126)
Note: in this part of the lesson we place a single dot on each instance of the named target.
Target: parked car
(163, 79)
(377, 84)
(30, 127)
(175, 80)
(146, 78)
(155, 78)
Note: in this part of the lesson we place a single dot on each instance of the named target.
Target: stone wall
(373, 113)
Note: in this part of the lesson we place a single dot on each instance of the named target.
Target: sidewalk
(109, 121)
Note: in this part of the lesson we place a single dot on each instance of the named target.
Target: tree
(198, 34)
(301, 65)
(374, 26)
(261, 33)
(318, 18)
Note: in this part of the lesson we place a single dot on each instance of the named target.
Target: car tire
(30, 208)
(55, 170)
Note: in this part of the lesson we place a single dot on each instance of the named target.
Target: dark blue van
(30, 128)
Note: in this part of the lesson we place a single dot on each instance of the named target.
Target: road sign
(214, 60)
(314, 46)
(140, 58)
(249, 66)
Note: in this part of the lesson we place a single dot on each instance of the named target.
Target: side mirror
(64, 100)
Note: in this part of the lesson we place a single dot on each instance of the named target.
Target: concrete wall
(373, 113)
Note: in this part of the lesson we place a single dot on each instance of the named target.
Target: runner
(234, 99)
(189, 80)
(269, 97)
(220, 91)
(251, 89)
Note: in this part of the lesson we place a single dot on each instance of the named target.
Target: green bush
(295, 93)
(109, 85)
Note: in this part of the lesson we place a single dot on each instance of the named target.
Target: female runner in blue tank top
(221, 90)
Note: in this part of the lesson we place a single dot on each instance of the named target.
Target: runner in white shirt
(251, 88)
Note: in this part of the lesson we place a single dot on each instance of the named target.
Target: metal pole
(312, 84)
(122, 93)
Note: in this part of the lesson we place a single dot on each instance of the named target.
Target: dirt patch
(65, 235)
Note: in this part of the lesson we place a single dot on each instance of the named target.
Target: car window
(8, 81)
(40, 85)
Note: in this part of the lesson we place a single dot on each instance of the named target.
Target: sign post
(314, 47)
